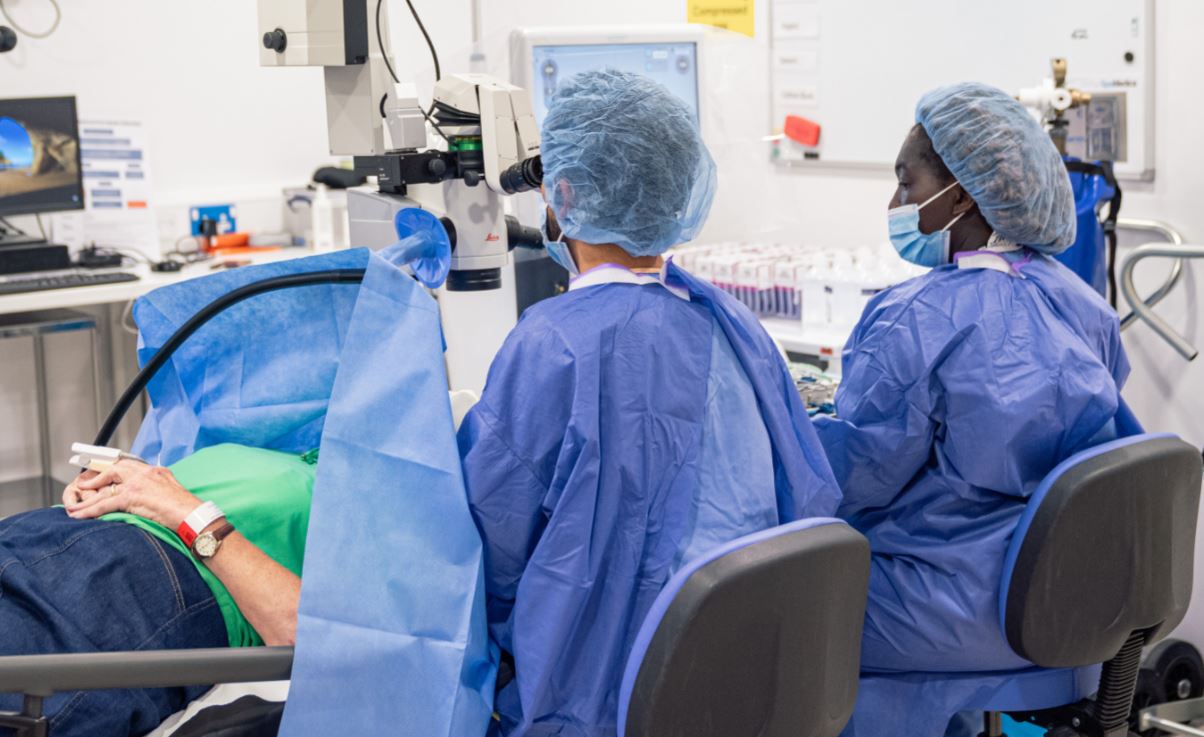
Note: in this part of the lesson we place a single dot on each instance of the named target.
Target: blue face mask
(922, 249)
(558, 250)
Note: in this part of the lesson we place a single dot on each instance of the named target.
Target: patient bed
(256, 680)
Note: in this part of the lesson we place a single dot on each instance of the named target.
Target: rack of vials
(823, 288)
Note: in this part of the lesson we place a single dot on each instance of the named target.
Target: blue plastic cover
(259, 374)
(270, 392)
(423, 245)
(391, 629)
(1088, 256)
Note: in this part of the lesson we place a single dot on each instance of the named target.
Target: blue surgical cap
(624, 163)
(1004, 159)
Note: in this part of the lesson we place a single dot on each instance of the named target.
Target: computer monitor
(542, 58)
(39, 156)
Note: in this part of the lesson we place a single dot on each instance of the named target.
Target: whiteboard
(857, 67)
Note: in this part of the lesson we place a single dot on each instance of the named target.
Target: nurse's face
(919, 181)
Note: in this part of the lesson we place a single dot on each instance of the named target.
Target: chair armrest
(42, 675)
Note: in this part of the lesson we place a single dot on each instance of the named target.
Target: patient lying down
(109, 572)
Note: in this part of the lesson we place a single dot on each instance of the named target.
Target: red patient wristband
(194, 523)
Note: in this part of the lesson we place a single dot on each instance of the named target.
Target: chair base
(1073, 720)
(1174, 717)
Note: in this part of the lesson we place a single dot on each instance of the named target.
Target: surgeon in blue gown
(964, 387)
(628, 425)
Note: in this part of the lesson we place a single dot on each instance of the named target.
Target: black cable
(388, 65)
(426, 114)
(451, 116)
(137, 256)
(430, 44)
(130, 253)
(12, 228)
(1110, 232)
(207, 313)
(1104, 170)
(126, 254)
(380, 41)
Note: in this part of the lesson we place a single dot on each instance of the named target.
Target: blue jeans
(71, 586)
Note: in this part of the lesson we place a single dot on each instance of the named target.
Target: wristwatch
(207, 544)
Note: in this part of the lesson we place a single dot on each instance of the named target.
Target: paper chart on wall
(117, 191)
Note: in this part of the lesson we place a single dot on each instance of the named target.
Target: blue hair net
(624, 163)
(1004, 159)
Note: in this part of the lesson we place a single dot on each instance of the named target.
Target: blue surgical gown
(961, 390)
(622, 431)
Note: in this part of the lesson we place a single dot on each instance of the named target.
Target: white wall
(261, 129)
(219, 124)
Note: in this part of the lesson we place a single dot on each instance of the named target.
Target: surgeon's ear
(962, 201)
(566, 196)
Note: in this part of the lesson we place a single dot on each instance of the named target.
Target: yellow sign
(733, 15)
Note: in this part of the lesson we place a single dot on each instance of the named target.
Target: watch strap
(223, 531)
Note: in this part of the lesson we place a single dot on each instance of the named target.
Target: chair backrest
(759, 638)
(1104, 549)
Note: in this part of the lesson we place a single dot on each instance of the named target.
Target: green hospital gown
(265, 494)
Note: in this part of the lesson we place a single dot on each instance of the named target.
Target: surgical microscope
(489, 149)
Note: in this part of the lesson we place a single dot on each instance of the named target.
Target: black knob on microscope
(8, 39)
(275, 40)
(437, 167)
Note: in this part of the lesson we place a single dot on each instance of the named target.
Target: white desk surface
(125, 291)
(789, 333)
(825, 342)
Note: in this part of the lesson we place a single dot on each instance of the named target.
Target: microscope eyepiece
(523, 176)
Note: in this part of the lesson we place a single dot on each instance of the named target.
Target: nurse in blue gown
(963, 388)
(628, 425)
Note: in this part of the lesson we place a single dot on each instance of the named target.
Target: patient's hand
(73, 494)
(130, 486)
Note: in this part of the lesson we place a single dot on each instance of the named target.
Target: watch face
(206, 545)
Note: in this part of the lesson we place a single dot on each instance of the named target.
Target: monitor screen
(674, 65)
(39, 156)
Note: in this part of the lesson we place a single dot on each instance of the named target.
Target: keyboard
(35, 282)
